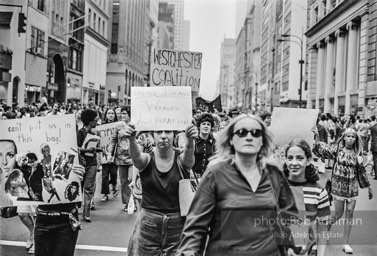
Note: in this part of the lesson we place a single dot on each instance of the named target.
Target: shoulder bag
(186, 191)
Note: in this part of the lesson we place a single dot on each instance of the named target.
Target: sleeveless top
(160, 190)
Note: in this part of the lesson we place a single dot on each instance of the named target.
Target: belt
(55, 214)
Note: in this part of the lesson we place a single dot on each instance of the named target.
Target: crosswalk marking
(79, 246)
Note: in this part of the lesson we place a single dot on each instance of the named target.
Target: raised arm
(140, 160)
(187, 157)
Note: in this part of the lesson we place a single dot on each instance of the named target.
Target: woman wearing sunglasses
(237, 197)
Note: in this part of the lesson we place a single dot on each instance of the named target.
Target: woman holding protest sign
(239, 190)
(109, 169)
(88, 149)
(347, 176)
(159, 224)
(119, 152)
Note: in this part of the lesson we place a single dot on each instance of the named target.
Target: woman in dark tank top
(159, 224)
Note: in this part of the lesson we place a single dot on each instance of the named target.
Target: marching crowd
(228, 159)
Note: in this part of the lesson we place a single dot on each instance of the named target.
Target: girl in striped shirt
(311, 199)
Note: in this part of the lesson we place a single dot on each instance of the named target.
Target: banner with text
(291, 123)
(37, 155)
(161, 108)
(106, 131)
(175, 68)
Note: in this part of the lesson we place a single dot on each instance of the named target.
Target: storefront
(32, 94)
(371, 107)
(74, 88)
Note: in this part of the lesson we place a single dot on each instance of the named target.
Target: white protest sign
(291, 123)
(161, 108)
(52, 141)
(175, 68)
(106, 131)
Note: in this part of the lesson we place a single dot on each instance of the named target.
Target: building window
(37, 40)
(41, 5)
(316, 15)
(75, 59)
(90, 17)
(94, 21)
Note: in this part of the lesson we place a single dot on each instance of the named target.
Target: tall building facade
(12, 54)
(165, 25)
(290, 55)
(268, 37)
(186, 35)
(178, 16)
(96, 45)
(225, 83)
(340, 80)
(125, 67)
(57, 57)
(274, 53)
(75, 71)
(239, 69)
(252, 26)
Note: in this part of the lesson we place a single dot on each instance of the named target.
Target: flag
(209, 105)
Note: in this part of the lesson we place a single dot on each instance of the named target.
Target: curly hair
(205, 117)
(311, 173)
(88, 115)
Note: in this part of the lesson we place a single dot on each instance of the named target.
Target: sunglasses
(256, 133)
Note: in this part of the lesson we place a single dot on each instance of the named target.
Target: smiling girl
(310, 197)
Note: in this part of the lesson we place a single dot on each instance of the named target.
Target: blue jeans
(53, 236)
(156, 234)
(89, 187)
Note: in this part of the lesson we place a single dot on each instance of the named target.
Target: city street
(111, 227)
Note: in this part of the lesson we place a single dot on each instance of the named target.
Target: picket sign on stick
(175, 68)
(53, 141)
(291, 123)
(106, 131)
(161, 108)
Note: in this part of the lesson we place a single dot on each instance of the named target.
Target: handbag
(283, 233)
(328, 185)
(361, 175)
(186, 191)
(8, 212)
(131, 205)
(329, 190)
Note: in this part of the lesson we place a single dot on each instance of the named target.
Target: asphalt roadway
(111, 227)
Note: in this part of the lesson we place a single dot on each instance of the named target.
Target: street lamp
(301, 61)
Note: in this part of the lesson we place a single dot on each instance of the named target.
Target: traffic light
(21, 23)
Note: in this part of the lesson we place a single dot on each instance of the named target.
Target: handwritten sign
(176, 68)
(161, 108)
(291, 123)
(37, 155)
(106, 131)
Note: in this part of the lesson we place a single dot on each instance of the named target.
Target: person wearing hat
(204, 144)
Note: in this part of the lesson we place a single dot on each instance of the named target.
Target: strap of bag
(181, 172)
(278, 224)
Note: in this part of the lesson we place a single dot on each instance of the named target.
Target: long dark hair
(311, 174)
(68, 194)
(105, 120)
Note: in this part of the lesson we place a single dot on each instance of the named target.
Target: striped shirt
(315, 199)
